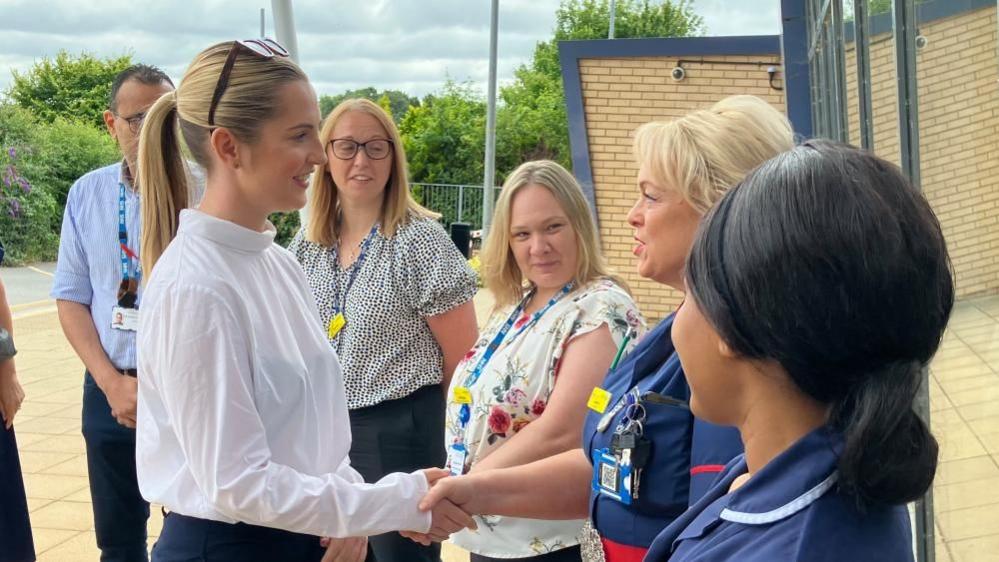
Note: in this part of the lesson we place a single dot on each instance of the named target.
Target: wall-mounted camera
(678, 73)
(921, 41)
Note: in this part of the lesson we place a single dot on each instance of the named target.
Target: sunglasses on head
(264, 48)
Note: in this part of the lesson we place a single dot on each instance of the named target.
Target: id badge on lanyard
(125, 314)
(458, 451)
(339, 320)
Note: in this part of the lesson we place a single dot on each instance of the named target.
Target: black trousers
(399, 436)
(120, 513)
(571, 554)
(15, 529)
(189, 539)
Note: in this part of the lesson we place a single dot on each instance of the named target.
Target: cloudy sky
(409, 45)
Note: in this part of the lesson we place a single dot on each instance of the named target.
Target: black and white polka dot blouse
(386, 347)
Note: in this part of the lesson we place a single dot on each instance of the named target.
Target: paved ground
(964, 398)
(28, 285)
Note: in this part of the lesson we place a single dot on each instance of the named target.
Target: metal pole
(284, 27)
(838, 47)
(461, 200)
(904, 24)
(490, 164)
(613, 12)
(861, 47)
(284, 32)
(263, 32)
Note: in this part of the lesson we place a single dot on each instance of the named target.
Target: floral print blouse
(513, 390)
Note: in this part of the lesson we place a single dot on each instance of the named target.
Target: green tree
(75, 87)
(398, 102)
(444, 136)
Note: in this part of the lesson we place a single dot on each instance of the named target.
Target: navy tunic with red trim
(686, 454)
(791, 510)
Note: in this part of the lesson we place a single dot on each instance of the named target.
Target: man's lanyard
(355, 267)
(127, 255)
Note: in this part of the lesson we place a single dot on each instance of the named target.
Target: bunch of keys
(631, 449)
(617, 470)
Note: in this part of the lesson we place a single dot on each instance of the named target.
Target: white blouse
(241, 410)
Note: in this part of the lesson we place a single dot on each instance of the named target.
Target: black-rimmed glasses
(134, 122)
(376, 149)
(265, 48)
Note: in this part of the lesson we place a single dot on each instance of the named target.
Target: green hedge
(38, 164)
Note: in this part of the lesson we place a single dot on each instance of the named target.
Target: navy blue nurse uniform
(791, 510)
(16, 543)
(685, 457)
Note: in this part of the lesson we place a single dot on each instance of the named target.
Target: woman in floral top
(520, 394)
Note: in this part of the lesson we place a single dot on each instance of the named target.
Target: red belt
(617, 552)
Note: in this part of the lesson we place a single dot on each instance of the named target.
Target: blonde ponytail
(163, 184)
(252, 97)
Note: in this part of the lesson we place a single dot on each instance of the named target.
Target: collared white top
(241, 414)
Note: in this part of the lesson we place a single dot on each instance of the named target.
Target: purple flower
(15, 208)
(25, 186)
(12, 152)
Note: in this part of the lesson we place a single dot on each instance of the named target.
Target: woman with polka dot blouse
(395, 297)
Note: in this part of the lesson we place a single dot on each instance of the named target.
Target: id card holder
(336, 324)
(125, 319)
(456, 455)
(611, 478)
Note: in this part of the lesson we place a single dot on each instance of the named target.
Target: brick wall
(958, 94)
(621, 94)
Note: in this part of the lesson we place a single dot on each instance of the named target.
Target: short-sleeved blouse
(386, 347)
(513, 390)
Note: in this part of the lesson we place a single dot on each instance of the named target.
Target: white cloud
(409, 45)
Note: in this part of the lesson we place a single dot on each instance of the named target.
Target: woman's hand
(447, 517)
(11, 393)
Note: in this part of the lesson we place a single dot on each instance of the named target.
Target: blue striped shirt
(89, 266)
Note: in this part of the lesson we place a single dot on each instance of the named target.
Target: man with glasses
(97, 291)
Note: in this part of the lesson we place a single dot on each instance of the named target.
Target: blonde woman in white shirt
(242, 422)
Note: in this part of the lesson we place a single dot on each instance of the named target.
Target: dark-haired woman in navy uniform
(632, 490)
(818, 289)
(16, 544)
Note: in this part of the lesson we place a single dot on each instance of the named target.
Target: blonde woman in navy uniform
(818, 290)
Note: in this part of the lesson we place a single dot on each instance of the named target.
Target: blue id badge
(456, 455)
(612, 476)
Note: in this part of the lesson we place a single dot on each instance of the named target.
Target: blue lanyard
(465, 413)
(126, 254)
(355, 267)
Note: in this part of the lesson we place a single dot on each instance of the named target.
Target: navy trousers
(189, 539)
(15, 529)
(399, 436)
(120, 513)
